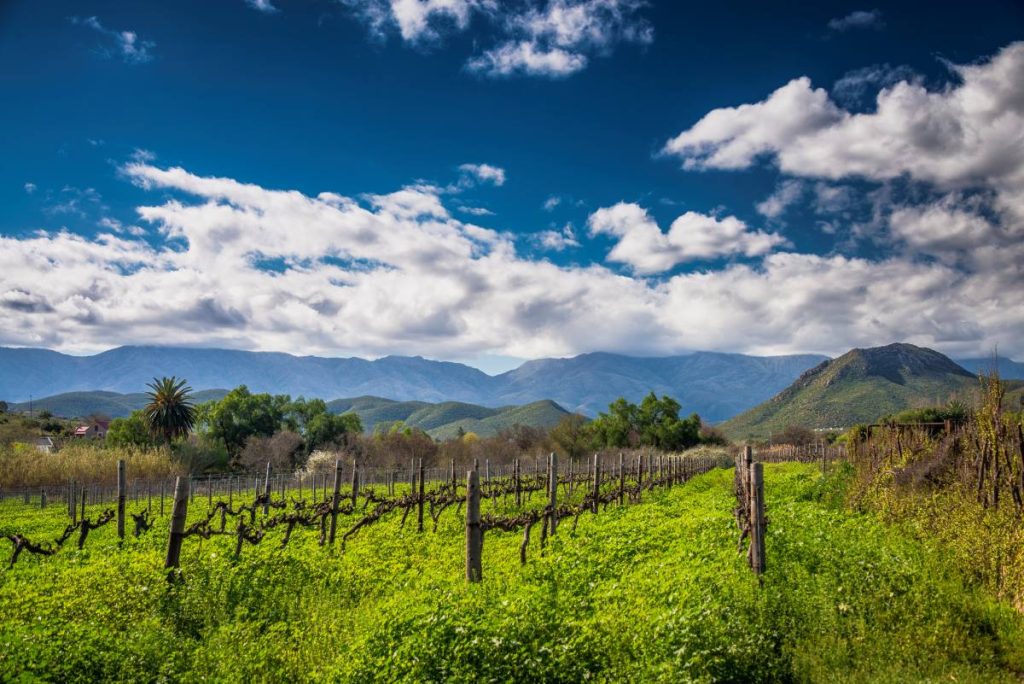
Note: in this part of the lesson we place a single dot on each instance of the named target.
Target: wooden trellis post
(553, 491)
(121, 486)
(518, 487)
(474, 533)
(422, 496)
(355, 483)
(334, 500)
(266, 492)
(597, 482)
(622, 479)
(757, 526)
(178, 515)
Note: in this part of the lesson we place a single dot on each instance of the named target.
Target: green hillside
(438, 420)
(539, 414)
(110, 404)
(858, 387)
(374, 410)
(443, 420)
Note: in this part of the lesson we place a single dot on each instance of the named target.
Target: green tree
(3, 407)
(324, 429)
(655, 422)
(130, 431)
(572, 435)
(169, 413)
(661, 427)
(620, 427)
(300, 412)
(241, 415)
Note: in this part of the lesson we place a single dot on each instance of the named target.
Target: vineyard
(650, 588)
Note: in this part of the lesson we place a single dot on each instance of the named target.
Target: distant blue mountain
(717, 386)
(1008, 368)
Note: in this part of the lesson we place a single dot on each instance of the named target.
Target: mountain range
(715, 385)
(441, 420)
(862, 386)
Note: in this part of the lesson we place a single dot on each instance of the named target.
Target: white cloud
(127, 44)
(556, 240)
(398, 274)
(417, 20)
(475, 211)
(786, 193)
(265, 6)
(550, 38)
(30, 188)
(860, 19)
(526, 57)
(551, 202)
(692, 236)
(556, 39)
(732, 138)
(855, 85)
(961, 135)
(483, 173)
(966, 136)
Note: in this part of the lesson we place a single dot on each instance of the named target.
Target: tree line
(246, 429)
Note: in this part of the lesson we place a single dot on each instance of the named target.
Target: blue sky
(511, 180)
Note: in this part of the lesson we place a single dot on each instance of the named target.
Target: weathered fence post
(72, 502)
(553, 491)
(420, 498)
(757, 527)
(266, 492)
(85, 492)
(597, 482)
(334, 500)
(516, 485)
(355, 483)
(474, 533)
(42, 499)
(622, 479)
(121, 486)
(178, 514)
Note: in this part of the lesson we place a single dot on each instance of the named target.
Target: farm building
(95, 430)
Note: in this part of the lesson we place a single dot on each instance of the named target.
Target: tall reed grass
(24, 466)
(963, 490)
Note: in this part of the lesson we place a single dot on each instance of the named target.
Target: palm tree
(169, 413)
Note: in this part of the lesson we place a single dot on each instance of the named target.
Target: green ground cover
(651, 592)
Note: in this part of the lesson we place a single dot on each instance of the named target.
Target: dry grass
(964, 490)
(24, 466)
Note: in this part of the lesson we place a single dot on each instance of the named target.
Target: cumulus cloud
(551, 202)
(549, 38)
(30, 188)
(556, 240)
(126, 44)
(855, 85)
(417, 20)
(483, 173)
(647, 250)
(397, 273)
(786, 193)
(968, 132)
(947, 165)
(265, 6)
(556, 40)
(859, 19)
(968, 135)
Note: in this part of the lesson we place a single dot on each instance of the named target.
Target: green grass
(652, 592)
